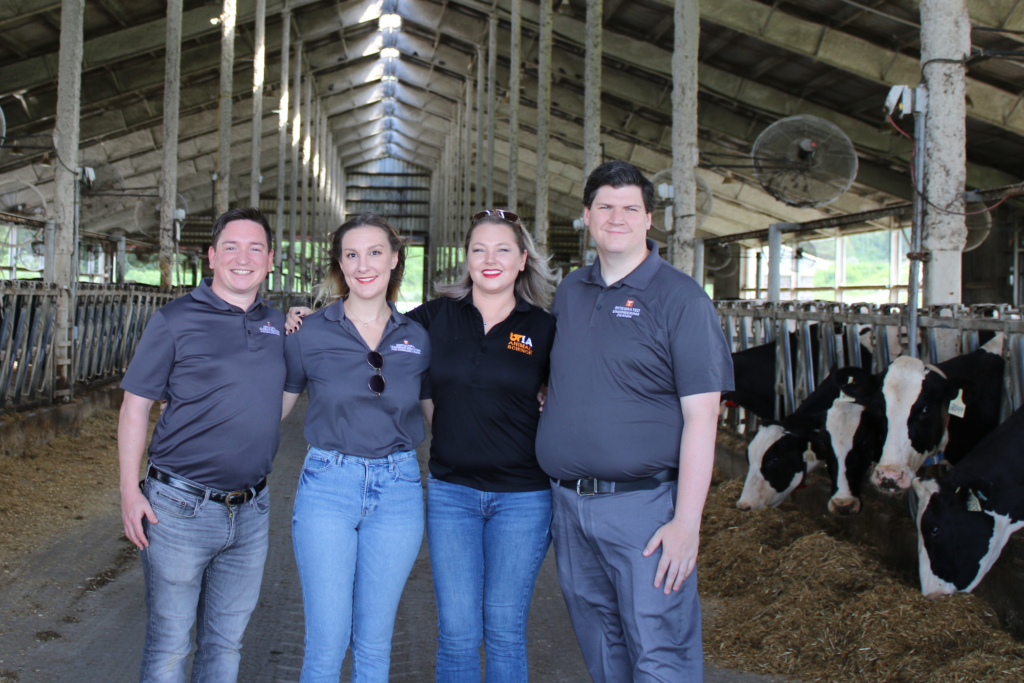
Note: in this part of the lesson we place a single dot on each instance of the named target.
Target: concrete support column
(259, 70)
(945, 44)
(322, 204)
(293, 193)
(684, 136)
(492, 103)
(456, 168)
(515, 77)
(169, 159)
(467, 156)
(65, 144)
(307, 166)
(430, 266)
(542, 224)
(227, 65)
(282, 144)
(479, 168)
(592, 87)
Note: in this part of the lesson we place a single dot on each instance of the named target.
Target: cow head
(776, 466)
(916, 399)
(957, 541)
(854, 444)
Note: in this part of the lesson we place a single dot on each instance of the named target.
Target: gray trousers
(627, 629)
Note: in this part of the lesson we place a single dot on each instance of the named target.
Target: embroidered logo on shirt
(627, 311)
(270, 329)
(520, 343)
(406, 347)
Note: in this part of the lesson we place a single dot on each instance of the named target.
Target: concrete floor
(74, 612)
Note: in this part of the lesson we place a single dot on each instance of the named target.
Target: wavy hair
(535, 283)
(334, 286)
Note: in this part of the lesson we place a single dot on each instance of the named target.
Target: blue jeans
(203, 566)
(357, 528)
(485, 552)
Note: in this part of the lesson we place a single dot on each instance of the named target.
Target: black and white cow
(965, 517)
(842, 435)
(913, 398)
(854, 445)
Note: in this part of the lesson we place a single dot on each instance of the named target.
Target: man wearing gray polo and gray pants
(201, 519)
(628, 438)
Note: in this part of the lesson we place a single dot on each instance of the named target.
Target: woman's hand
(293, 321)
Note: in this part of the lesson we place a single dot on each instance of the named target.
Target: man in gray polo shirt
(201, 517)
(628, 438)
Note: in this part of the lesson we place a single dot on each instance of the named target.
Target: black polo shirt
(484, 389)
(221, 370)
(623, 357)
(328, 355)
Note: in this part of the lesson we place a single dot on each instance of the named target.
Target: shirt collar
(204, 293)
(638, 278)
(336, 312)
(522, 304)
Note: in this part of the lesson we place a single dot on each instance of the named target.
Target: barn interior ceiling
(760, 61)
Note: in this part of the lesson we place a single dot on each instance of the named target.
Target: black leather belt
(592, 487)
(216, 495)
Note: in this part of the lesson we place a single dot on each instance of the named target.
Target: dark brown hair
(334, 286)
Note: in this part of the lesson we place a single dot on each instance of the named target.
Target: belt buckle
(593, 492)
(230, 499)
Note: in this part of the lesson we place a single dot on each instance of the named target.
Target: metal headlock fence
(829, 335)
(108, 322)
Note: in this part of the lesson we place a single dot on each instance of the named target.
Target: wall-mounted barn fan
(21, 198)
(721, 260)
(804, 161)
(664, 192)
(979, 225)
(147, 214)
(101, 187)
(3, 126)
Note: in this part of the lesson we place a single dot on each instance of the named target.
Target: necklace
(499, 317)
(367, 323)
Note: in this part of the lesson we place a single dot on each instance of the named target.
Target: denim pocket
(408, 470)
(316, 462)
(262, 502)
(165, 500)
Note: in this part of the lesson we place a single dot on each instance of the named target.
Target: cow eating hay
(792, 600)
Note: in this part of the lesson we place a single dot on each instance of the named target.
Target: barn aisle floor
(74, 612)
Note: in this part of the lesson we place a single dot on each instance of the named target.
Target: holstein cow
(965, 517)
(854, 445)
(780, 456)
(914, 399)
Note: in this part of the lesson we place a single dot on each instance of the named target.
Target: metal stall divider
(839, 342)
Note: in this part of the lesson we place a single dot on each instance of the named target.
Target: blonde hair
(334, 286)
(535, 284)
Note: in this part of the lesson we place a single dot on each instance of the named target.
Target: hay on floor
(794, 601)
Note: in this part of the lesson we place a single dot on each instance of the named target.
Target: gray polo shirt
(623, 357)
(328, 355)
(222, 372)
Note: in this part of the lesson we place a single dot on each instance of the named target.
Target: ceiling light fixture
(390, 22)
(389, 52)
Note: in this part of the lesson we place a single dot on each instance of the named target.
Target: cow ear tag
(845, 398)
(973, 504)
(809, 455)
(957, 406)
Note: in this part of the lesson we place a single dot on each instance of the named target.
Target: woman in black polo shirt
(358, 520)
(488, 502)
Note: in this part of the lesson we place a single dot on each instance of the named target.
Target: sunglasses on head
(376, 362)
(500, 213)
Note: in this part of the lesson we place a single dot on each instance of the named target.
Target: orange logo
(630, 302)
(520, 343)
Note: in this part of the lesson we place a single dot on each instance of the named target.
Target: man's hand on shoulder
(134, 507)
(679, 545)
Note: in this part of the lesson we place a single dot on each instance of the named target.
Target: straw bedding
(792, 600)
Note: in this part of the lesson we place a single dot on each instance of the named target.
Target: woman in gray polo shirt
(358, 519)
